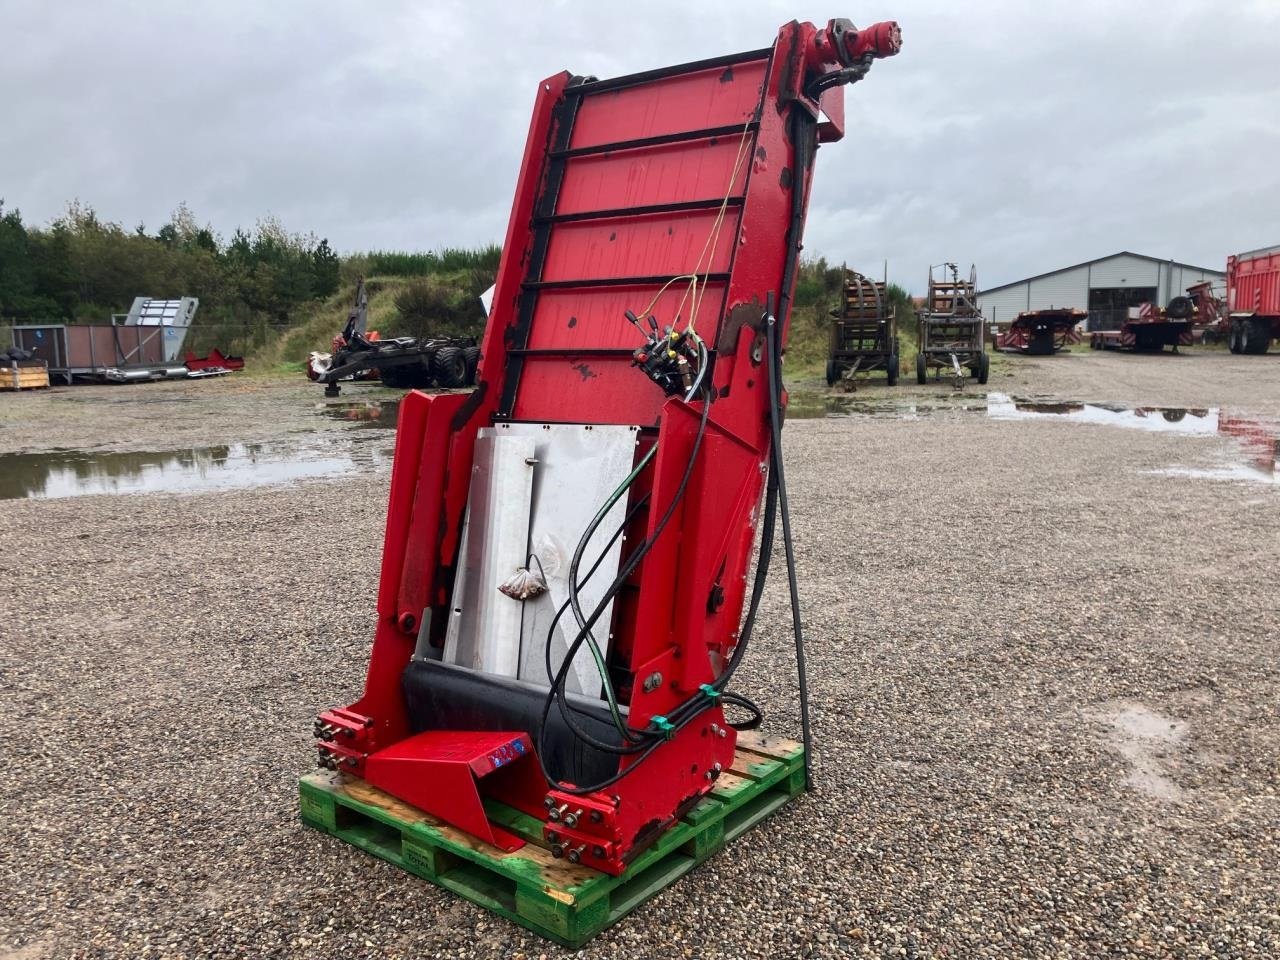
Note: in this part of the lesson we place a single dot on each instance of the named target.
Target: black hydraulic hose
(556, 693)
(775, 378)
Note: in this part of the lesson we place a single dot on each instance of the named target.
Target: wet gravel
(1045, 685)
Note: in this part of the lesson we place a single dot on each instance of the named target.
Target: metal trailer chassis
(1041, 332)
(950, 331)
(952, 344)
(864, 332)
(406, 362)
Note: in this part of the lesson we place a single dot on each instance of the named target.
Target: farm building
(1106, 287)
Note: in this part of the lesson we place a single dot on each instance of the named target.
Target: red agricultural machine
(1149, 329)
(1041, 332)
(567, 551)
(1253, 300)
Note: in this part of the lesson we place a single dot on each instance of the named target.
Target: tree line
(82, 269)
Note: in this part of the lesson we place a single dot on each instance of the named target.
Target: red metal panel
(1253, 284)
(578, 318)
(706, 99)
(668, 173)
(584, 389)
(646, 246)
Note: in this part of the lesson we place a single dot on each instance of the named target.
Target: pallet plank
(564, 902)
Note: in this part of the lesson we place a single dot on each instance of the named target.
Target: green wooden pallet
(554, 898)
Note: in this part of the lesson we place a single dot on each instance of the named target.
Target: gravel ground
(1044, 680)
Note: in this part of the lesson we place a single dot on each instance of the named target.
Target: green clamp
(663, 724)
(712, 693)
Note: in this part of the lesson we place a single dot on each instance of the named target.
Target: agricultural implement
(1253, 300)
(1149, 329)
(1041, 332)
(864, 332)
(547, 725)
(950, 330)
(358, 354)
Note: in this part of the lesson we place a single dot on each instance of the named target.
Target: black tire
(984, 367)
(450, 367)
(891, 371)
(472, 356)
(922, 369)
(831, 373)
(1257, 336)
(1235, 337)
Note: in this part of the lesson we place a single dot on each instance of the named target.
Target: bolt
(598, 852)
(557, 851)
(555, 813)
(596, 816)
(571, 820)
(652, 682)
(575, 855)
(549, 802)
(553, 837)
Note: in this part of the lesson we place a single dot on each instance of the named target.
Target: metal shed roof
(1089, 263)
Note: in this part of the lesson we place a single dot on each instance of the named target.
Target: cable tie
(712, 693)
(663, 724)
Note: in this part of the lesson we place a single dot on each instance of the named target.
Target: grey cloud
(1018, 136)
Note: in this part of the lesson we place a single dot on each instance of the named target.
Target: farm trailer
(1253, 300)
(864, 331)
(1041, 332)
(1149, 329)
(950, 331)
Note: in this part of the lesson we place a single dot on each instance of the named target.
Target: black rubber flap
(441, 696)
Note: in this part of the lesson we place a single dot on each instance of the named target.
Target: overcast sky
(1019, 136)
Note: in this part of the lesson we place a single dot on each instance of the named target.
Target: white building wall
(1067, 288)
(1001, 306)
(1124, 271)
(1070, 288)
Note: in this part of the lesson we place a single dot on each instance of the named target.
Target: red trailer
(1253, 300)
(1149, 329)
(1041, 332)
(637, 327)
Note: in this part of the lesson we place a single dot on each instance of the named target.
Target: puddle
(1257, 441)
(74, 473)
(1200, 421)
(378, 414)
(1150, 742)
(814, 407)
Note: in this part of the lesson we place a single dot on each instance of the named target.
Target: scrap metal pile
(567, 554)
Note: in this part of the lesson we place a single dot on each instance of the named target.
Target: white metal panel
(484, 624)
(1124, 270)
(1001, 306)
(578, 467)
(1066, 288)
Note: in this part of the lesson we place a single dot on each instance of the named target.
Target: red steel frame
(619, 191)
(1027, 333)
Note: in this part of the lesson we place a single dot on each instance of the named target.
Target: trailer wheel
(891, 371)
(1235, 336)
(450, 367)
(1257, 335)
(922, 369)
(472, 356)
(832, 373)
(984, 367)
